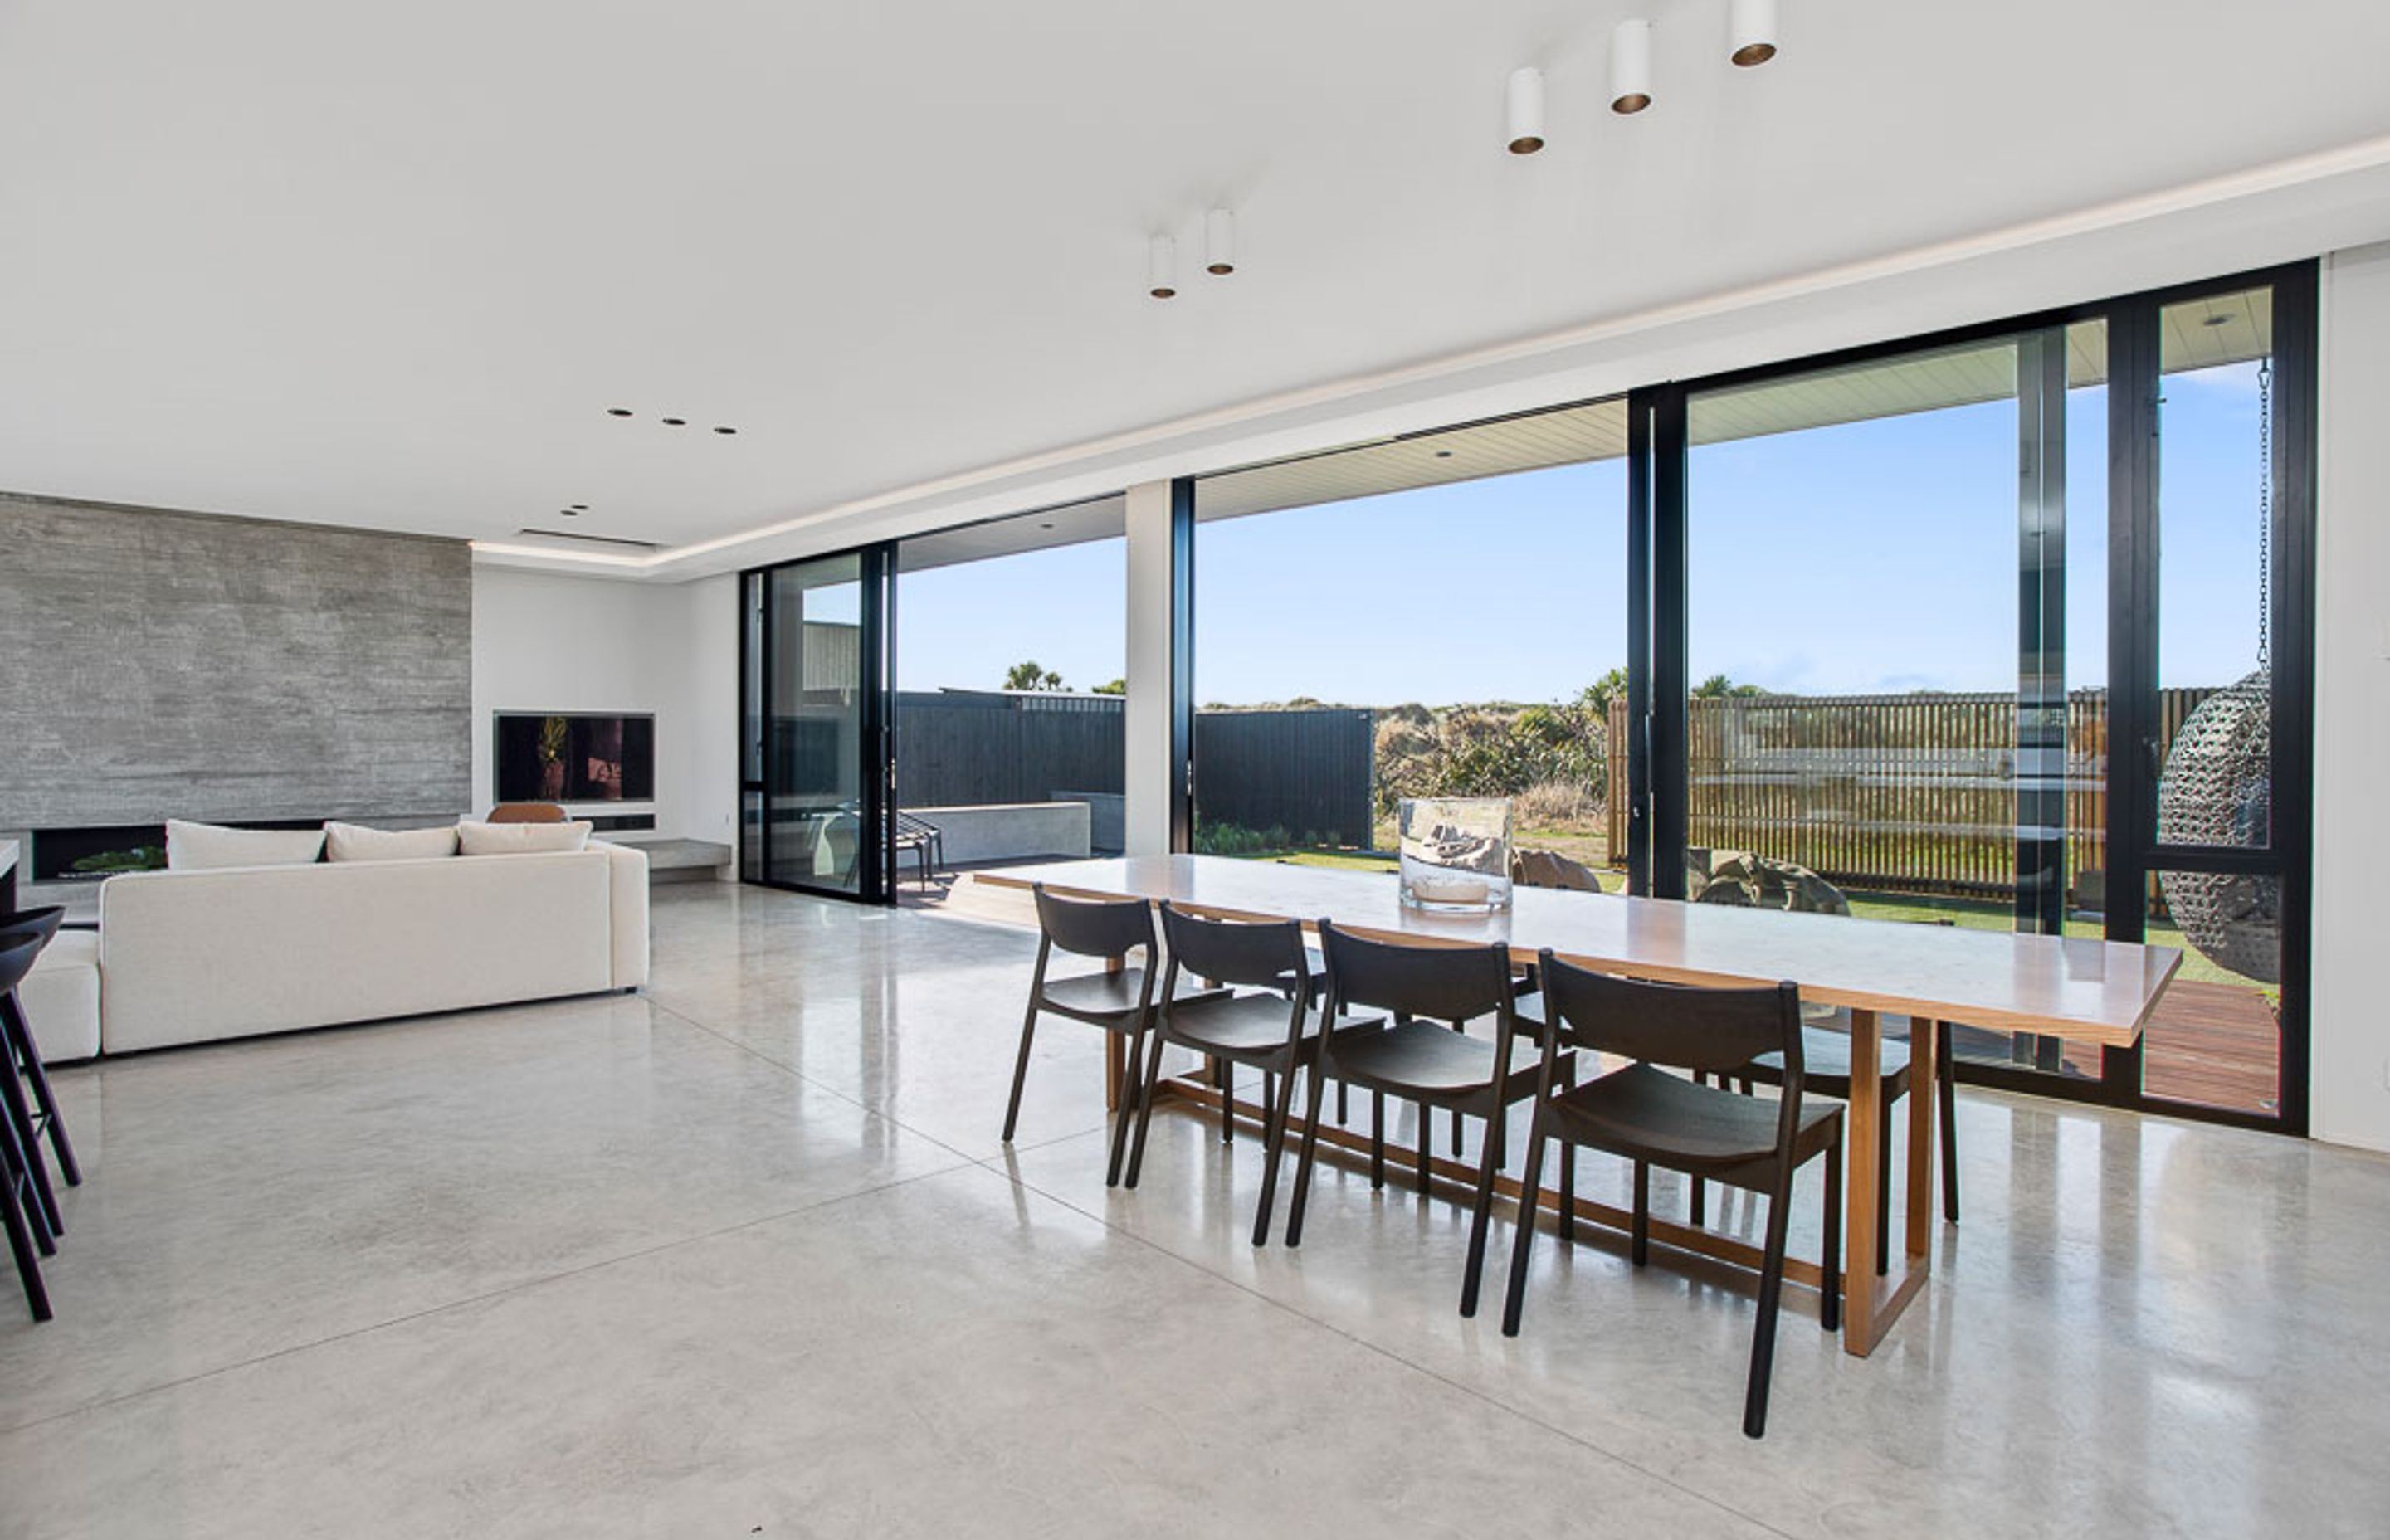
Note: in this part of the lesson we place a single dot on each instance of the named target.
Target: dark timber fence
(1309, 772)
(1912, 793)
(1306, 771)
(956, 749)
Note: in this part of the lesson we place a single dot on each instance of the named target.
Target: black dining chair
(1119, 1000)
(29, 1241)
(1826, 1052)
(1264, 1021)
(1650, 1117)
(20, 1066)
(1410, 1052)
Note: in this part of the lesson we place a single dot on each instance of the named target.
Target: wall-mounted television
(575, 757)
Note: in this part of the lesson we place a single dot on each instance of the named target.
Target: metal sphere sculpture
(2218, 789)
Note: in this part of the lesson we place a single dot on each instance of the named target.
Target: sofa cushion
(356, 843)
(60, 997)
(211, 847)
(479, 838)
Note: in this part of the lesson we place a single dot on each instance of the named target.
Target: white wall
(546, 643)
(2351, 1031)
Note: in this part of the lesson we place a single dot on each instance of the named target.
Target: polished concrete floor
(742, 1255)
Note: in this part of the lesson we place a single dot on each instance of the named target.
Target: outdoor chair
(20, 1216)
(1264, 1022)
(1119, 1000)
(1414, 1056)
(1650, 1117)
(925, 841)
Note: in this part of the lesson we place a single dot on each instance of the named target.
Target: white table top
(2086, 989)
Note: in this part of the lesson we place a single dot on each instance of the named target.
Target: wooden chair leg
(1883, 1194)
(1638, 1247)
(1020, 1070)
(1481, 1218)
(1310, 1151)
(1830, 1293)
(1514, 1298)
(1568, 1161)
(1146, 1084)
(1771, 1293)
(1377, 1139)
(1126, 1113)
(1224, 1078)
(1273, 1146)
(1425, 1154)
(1947, 1087)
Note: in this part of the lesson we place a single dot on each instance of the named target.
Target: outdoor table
(2084, 989)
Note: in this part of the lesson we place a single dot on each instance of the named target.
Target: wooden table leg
(1924, 1105)
(1865, 1131)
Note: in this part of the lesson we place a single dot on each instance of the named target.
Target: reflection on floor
(742, 1255)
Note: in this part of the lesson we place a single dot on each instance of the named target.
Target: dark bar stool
(26, 1237)
(20, 1063)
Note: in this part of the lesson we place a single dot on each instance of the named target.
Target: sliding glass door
(813, 751)
(2004, 630)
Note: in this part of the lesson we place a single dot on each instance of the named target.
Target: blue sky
(1877, 555)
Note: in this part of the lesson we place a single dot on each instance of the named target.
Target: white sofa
(191, 957)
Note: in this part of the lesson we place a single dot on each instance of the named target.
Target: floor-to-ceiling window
(1433, 615)
(1985, 633)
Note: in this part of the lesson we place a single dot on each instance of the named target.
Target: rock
(1543, 869)
(1738, 877)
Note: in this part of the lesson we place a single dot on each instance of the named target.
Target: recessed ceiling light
(725, 429)
(673, 422)
(570, 513)
(581, 507)
(2217, 320)
(618, 411)
(1444, 453)
(1044, 526)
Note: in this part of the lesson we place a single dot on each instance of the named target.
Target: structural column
(1161, 673)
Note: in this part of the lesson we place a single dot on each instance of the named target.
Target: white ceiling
(388, 266)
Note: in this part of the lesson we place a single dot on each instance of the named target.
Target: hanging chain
(2266, 513)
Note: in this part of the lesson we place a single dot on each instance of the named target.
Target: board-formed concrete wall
(157, 665)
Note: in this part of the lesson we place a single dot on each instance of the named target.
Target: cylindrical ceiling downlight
(1526, 114)
(1630, 66)
(1750, 32)
(1219, 243)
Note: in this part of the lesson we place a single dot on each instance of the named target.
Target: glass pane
(2216, 1037)
(814, 758)
(2215, 509)
(1432, 616)
(1898, 710)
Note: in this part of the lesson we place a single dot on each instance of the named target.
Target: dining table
(2084, 989)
